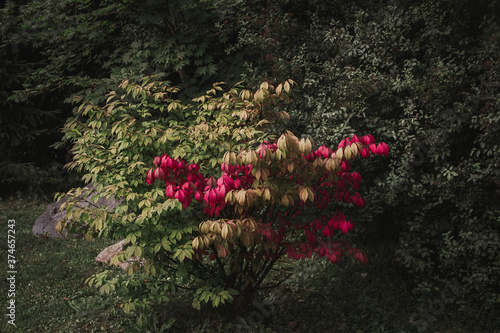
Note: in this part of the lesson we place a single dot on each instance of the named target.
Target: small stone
(111, 251)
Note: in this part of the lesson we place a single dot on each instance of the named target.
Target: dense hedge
(423, 77)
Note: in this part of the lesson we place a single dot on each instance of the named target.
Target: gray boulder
(46, 223)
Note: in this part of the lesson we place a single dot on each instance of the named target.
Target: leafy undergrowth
(51, 295)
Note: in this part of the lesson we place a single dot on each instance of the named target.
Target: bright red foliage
(236, 186)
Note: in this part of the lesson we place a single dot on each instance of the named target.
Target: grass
(51, 295)
(50, 291)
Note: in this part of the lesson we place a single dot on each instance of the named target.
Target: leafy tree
(422, 76)
(27, 127)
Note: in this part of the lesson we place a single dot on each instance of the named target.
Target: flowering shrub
(226, 201)
(257, 209)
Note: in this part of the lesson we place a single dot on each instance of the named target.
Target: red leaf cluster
(247, 181)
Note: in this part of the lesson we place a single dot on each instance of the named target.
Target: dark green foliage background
(423, 76)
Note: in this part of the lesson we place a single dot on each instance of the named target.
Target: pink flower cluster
(184, 181)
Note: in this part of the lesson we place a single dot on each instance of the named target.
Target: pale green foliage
(114, 145)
